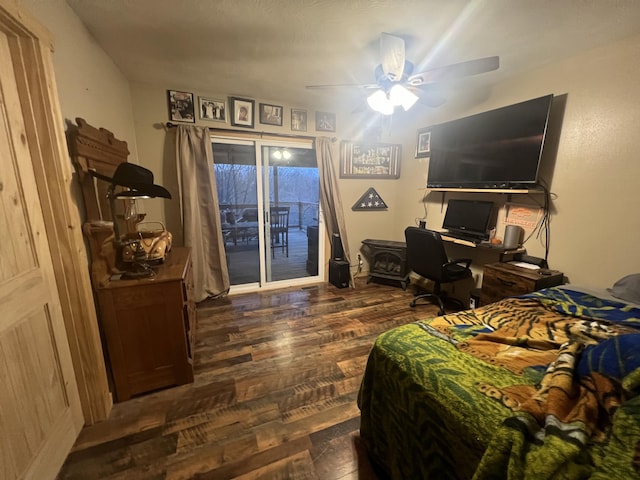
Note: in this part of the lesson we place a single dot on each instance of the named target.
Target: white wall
(90, 86)
(594, 218)
(596, 177)
(156, 143)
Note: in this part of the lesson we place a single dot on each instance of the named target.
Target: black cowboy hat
(136, 178)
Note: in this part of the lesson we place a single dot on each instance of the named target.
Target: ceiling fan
(397, 85)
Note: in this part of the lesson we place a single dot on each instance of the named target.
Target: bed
(539, 386)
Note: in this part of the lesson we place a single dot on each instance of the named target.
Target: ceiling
(270, 49)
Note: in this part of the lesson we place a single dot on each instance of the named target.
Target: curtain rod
(255, 133)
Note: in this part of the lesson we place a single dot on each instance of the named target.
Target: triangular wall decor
(370, 201)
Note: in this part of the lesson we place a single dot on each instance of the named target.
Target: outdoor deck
(243, 259)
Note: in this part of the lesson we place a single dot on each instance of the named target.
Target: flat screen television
(496, 149)
(470, 218)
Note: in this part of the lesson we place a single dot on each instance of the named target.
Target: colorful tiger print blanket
(566, 406)
(589, 351)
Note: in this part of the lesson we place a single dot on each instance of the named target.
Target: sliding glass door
(269, 209)
(237, 184)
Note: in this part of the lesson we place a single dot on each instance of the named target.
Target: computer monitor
(468, 217)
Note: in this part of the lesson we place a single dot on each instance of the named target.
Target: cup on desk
(512, 236)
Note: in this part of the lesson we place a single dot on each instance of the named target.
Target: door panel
(40, 414)
(291, 185)
(237, 183)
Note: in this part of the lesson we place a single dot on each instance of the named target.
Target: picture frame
(370, 160)
(325, 122)
(423, 143)
(271, 114)
(212, 109)
(181, 108)
(298, 120)
(242, 111)
(525, 216)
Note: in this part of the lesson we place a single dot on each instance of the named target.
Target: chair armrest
(458, 261)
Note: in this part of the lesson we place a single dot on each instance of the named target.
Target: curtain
(330, 196)
(199, 210)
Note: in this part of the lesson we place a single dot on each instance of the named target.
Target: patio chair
(279, 222)
(248, 224)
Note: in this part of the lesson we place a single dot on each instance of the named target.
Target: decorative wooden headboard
(96, 149)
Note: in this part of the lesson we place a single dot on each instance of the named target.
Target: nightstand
(501, 280)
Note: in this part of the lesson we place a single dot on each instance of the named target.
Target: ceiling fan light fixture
(281, 154)
(379, 102)
(399, 95)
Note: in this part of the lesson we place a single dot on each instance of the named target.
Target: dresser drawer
(501, 280)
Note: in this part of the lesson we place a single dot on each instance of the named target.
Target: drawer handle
(508, 283)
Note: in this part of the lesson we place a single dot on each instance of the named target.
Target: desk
(484, 246)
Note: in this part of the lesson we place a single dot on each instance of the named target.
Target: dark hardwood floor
(274, 397)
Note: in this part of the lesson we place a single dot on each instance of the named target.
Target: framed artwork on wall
(298, 120)
(423, 143)
(241, 112)
(181, 108)
(212, 109)
(271, 114)
(325, 122)
(369, 160)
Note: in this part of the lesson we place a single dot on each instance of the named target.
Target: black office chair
(426, 256)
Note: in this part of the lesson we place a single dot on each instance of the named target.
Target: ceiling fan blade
(392, 56)
(343, 85)
(430, 98)
(455, 70)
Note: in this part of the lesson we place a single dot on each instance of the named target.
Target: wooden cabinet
(501, 280)
(149, 327)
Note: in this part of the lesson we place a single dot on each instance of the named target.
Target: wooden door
(40, 413)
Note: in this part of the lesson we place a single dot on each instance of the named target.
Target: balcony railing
(301, 214)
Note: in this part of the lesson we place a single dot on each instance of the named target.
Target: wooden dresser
(149, 327)
(501, 280)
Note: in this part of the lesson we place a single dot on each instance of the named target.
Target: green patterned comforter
(542, 386)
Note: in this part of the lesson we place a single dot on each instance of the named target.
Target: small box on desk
(339, 273)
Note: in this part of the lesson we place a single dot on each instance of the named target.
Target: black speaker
(337, 253)
(339, 273)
